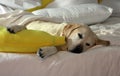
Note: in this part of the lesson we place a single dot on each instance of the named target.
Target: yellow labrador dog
(79, 37)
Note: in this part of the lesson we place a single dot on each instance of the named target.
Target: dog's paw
(40, 53)
(46, 52)
(15, 28)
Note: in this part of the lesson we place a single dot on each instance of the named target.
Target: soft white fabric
(115, 4)
(5, 9)
(18, 17)
(65, 3)
(84, 13)
(21, 4)
(98, 61)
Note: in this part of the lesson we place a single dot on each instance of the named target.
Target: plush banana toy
(44, 3)
(27, 41)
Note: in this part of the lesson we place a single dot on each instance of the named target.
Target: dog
(79, 37)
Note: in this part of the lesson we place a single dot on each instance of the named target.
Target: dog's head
(80, 38)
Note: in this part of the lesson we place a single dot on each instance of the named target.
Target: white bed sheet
(68, 64)
(109, 30)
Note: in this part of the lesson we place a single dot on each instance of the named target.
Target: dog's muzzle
(77, 49)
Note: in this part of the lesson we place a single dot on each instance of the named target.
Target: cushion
(27, 41)
(84, 13)
(63, 3)
(115, 4)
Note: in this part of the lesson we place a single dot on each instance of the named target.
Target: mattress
(97, 61)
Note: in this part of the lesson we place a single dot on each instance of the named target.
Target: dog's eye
(80, 36)
(87, 44)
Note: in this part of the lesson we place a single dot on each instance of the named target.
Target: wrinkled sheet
(98, 61)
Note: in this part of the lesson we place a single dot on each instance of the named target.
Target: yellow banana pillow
(27, 41)
(44, 3)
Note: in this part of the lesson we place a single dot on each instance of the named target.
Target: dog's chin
(76, 51)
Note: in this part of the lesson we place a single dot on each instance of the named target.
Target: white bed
(100, 61)
(97, 61)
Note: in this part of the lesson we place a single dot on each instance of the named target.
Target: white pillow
(84, 13)
(115, 4)
(63, 3)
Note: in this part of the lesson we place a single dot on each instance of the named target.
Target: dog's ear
(102, 42)
(69, 28)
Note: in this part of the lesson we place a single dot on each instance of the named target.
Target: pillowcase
(84, 13)
(115, 4)
(63, 3)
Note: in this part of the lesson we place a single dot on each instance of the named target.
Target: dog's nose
(77, 49)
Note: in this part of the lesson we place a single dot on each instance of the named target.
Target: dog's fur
(79, 37)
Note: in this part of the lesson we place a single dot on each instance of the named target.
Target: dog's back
(49, 27)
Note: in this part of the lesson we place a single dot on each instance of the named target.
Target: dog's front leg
(45, 52)
(20, 22)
